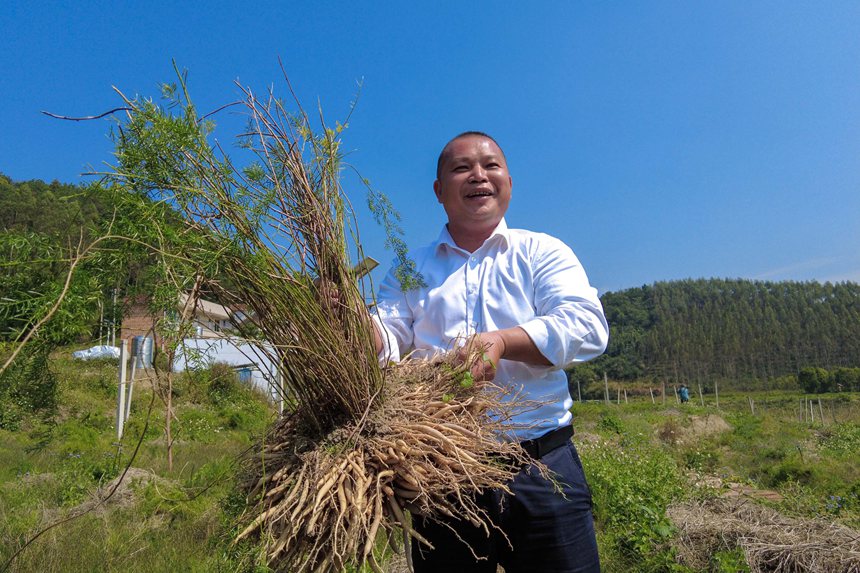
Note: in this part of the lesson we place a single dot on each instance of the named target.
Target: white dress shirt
(516, 278)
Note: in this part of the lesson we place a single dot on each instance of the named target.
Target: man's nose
(478, 174)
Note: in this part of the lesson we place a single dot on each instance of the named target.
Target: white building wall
(195, 353)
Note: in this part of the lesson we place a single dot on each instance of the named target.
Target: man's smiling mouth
(482, 193)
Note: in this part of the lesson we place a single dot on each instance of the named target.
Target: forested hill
(692, 330)
(56, 210)
(42, 227)
(733, 330)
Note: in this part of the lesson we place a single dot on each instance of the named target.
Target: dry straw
(359, 446)
(771, 542)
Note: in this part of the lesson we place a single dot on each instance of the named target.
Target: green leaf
(468, 381)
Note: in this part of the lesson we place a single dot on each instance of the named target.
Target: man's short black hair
(455, 138)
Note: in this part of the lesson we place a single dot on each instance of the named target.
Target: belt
(539, 447)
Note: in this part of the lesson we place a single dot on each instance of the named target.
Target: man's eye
(461, 168)
(492, 165)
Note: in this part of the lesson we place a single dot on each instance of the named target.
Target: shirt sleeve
(394, 316)
(569, 325)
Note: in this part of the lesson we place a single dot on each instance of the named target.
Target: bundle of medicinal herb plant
(359, 445)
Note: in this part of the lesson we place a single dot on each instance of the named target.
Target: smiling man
(526, 298)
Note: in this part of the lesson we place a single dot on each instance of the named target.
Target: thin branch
(88, 117)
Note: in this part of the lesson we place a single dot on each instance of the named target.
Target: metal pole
(651, 391)
(120, 402)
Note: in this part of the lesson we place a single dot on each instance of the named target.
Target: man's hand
(484, 350)
(328, 294)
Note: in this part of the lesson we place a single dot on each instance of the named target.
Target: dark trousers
(547, 530)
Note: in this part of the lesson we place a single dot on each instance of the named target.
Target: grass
(639, 457)
(182, 522)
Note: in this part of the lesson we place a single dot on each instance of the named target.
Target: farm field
(676, 487)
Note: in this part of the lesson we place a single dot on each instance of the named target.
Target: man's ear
(437, 188)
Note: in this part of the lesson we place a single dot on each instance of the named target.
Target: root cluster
(427, 449)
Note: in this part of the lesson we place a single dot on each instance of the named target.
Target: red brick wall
(137, 321)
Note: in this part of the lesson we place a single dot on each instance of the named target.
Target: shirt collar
(500, 233)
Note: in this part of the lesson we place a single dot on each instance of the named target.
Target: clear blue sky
(661, 140)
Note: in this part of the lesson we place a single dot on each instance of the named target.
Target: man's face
(474, 186)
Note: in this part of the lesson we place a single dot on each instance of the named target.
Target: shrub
(632, 486)
(789, 470)
(842, 439)
(223, 382)
(669, 432)
(28, 386)
(610, 423)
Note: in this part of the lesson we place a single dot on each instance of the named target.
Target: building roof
(211, 310)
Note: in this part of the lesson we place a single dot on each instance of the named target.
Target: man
(525, 297)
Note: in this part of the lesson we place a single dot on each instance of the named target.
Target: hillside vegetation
(742, 334)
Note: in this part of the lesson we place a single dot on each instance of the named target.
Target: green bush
(610, 423)
(223, 382)
(733, 561)
(792, 469)
(28, 386)
(842, 440)
(632, 485)
(700, 460)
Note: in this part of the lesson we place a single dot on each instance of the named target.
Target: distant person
(684, 394)
(525, 296)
